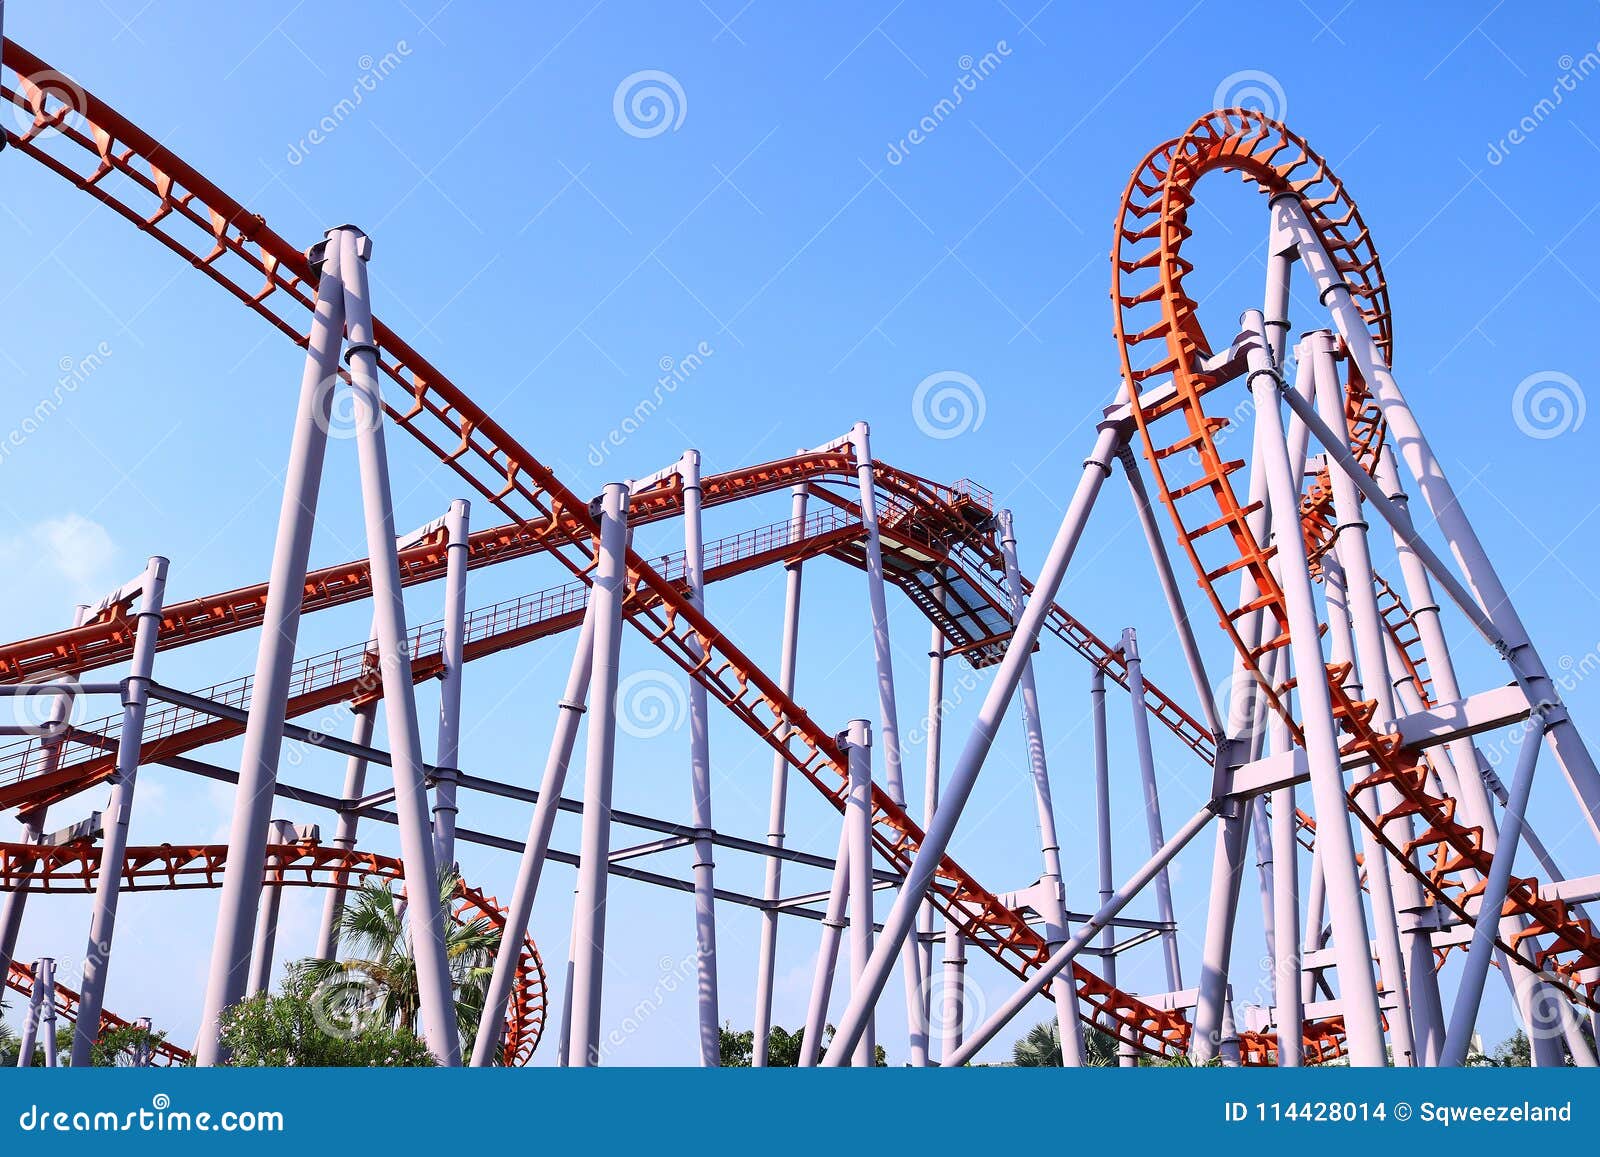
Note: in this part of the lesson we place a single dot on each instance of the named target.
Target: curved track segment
(1160, 336)
(235, 248)
(74, 868)
(19, 978)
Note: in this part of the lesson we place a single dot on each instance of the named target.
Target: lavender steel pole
(1051, 882)
(1261, 838)
(30, 1023)
(589, 923)
(1290, 1007)
(569, 712)
(888, 713)
(1203, 688)
(32, 828)
(435, 988)
(767, 958)
(1525, 989)
(1479, 956)
(448, 742)
(1152, 804)
(953, 995)
(263, 736)
(858, 822)
(355, 783)
(1243, 734)
(705, 893)
(833, 918)
(47, 1023)
(119, 811)
(1442, 501)
(15, 903)
(1102, 812)
(1355, 561)
(1086, 932)
(933, 740)
(1316, 910)
(267, 922)
(902, 917)
(1359, 996)
(1386, 928)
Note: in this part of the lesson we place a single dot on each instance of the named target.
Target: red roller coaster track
(928, 529)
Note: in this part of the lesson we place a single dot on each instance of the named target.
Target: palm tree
(377, 984)
(1041, 1048)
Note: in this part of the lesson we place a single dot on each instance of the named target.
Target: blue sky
(551, 261)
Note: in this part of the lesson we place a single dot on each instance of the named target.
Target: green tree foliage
(783, 1047)
(1041, 1047)
(293, 1029)
(378, 982)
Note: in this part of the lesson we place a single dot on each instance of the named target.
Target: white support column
(448, 743)
(363, 717)
(1126, 1056)
(888, 713)
(47, 1021)
(933, 740)
(857, 742)
(267, 922)
(1479, 956)
(436, 991)
(705, 896)
(1051, 881)
(1444, 504)
(772, 888)
(118, 813)
(1366, 621)
(1357, 992)
(1152, 805)
(280, 625)
(1284, 953)
(953, 994)
(1527, 992)
(902, 917)
(1053, 967)
(589, 923)
(38, 997)
(833, 920)
(1380, 885)
(569, 713)
(13, 904)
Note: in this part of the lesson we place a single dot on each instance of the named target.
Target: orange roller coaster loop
(73, 868)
